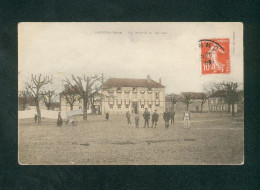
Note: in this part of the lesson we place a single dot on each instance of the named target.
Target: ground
(213, 138)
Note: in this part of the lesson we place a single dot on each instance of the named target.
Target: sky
(169, 51)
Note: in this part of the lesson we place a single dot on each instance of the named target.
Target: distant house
(134, 95)
(55, 106)
(199, 101)
(70, 93)
(195, 101)
(173, 101)
(217, 102)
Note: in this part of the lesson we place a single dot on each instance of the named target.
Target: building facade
(134, 95)
(217, 102)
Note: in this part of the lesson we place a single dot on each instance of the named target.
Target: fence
(48, 113)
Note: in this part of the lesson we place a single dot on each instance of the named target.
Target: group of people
(167, 117)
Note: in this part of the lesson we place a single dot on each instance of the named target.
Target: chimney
(160, 80)
(148, 78)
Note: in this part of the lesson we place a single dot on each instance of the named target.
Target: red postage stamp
(215, 58)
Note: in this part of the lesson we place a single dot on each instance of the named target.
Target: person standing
(59, 121)
(146, 116)
(155, 117)
(128, 118)
(172, 116)
(107, 116)
(166, 117)
(137, 118)
(35, 118)
(186, 119)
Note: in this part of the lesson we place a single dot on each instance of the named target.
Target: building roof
(219, 93)
(194, 95)
(168, 97)
(127, 82)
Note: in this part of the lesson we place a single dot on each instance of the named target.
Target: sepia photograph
(130, 93)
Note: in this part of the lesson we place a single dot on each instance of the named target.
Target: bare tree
(49, 97)
(203, 98)
(35, 88)
(187, 99)
(86, 87)
(70, 96)
(173, 98)
(211, 88)
(232, 94)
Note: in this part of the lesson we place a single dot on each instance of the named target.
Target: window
(134, 90)
(157, 95)
(111, 106)
(142, 106)
(126, 106)
(111, 91)
(119, 88)
(150, 106)
(118, 106)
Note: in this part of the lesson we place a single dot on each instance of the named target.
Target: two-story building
(134, 95)
(217, 102)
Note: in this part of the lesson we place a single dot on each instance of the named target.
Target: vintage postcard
(130, 93)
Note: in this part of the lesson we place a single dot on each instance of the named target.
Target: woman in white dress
(186, 119)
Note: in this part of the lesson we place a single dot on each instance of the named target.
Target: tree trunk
(85, 109)
(229, 108)
(71, 107)
(187, 106)
(39, 117)
(233, 109)
(93, 109)
(201, 106)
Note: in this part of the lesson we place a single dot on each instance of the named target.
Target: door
(135, 107)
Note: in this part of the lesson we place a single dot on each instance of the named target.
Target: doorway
(135, 107)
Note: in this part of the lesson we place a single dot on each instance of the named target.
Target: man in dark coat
(59, 121)
(35, 118)
(107, 116)
(166, 117)
(172, 116)
(146, 116)
(155, 117)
